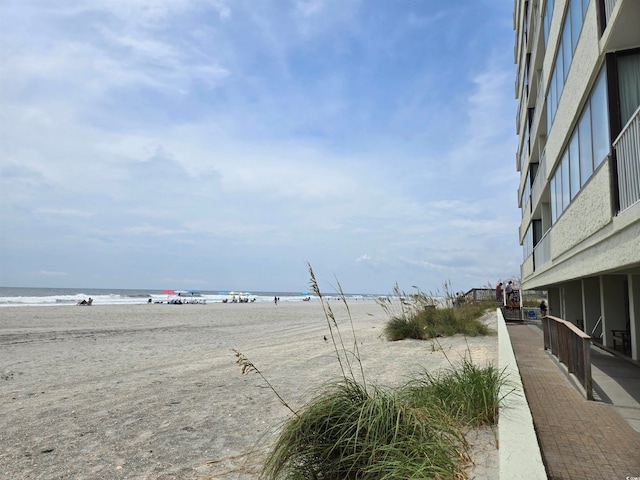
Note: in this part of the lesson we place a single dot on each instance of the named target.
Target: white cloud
(312, 129)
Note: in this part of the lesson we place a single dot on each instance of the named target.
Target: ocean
(20, 296)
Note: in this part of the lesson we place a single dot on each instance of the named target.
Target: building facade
(578, 123)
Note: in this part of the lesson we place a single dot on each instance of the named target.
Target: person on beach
(543, 309)
(499, 292)
(275, 300)
(509, 290)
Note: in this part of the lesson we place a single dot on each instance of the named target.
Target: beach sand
(153, 391)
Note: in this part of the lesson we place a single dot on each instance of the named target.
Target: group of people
(513, 296)
(508, 290)
(239, 300)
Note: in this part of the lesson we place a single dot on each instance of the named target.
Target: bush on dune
(417, 316)
(356, 431)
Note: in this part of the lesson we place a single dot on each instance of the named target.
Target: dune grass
(350, 433)
(417, 316)
(356, 431)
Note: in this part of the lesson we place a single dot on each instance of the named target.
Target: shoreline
(146, 391)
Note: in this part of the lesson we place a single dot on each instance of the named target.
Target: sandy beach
(153, 391)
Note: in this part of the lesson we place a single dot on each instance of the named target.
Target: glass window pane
(628, 85)
(566, 192)
(567, 53)
(575, 11)
(552, 190)
(574, 165)
(547, 20)
(600, 122)
(586, 154)
(558, 70)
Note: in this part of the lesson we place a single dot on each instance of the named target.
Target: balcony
(621, 30)
(627, 148)
(542, 251)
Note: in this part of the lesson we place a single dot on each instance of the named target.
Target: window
(552, 191)
(568, 41)
(586, 153)
(588, 145)
(600, 121)
(574, 165)
(566, 47)
(548, 14)
(566, 192)
(575, 12)
(628, 85)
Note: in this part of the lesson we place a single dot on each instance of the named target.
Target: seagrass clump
(348, 433)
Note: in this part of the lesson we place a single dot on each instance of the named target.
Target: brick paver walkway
(579, 439)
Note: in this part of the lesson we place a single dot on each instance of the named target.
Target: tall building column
(555, 308)
(591, 310)
(614, 307)
(634, 315)
(572, 299)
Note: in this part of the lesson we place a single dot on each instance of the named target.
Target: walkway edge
(519, 452)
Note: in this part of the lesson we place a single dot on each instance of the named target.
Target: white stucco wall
(589, 211)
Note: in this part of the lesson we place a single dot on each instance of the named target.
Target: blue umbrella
(193, 291)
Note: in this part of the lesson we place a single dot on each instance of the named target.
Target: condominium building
(578, 123)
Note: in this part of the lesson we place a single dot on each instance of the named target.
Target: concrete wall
(589, 212)
(519, 452)
(614, 247)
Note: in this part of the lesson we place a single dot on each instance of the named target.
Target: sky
(225, 144)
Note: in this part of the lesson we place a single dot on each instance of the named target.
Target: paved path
(579, 439)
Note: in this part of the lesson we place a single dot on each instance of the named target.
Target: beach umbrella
(223, 293)
(169, 292)
(192, 292)
(304, 293)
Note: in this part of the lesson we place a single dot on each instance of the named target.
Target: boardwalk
(579, 439)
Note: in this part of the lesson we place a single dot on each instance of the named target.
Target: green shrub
(468, 394)
(349, 433)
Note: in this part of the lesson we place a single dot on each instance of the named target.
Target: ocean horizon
(42, 296)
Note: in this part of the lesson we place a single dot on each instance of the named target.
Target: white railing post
(627, 147)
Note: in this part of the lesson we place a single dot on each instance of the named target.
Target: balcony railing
(542, 251)
(627, 147)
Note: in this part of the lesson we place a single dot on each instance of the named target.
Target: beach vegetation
(422, 316)
(355, 430)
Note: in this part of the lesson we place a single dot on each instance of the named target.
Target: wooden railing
(572, 347)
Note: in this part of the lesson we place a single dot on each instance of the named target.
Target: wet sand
(153, 391)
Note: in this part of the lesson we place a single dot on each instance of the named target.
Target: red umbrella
(170, 292)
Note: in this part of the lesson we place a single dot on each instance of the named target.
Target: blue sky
(222, 144)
